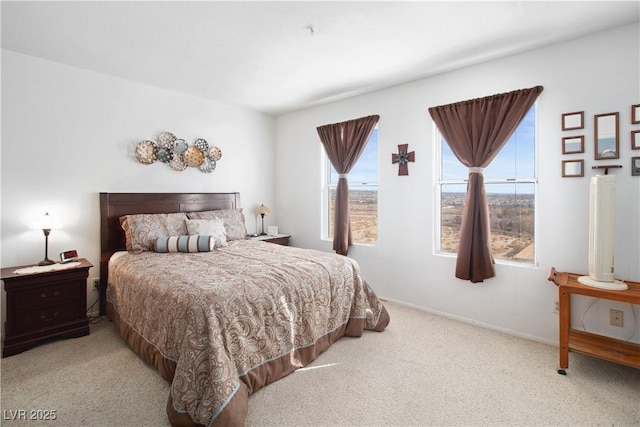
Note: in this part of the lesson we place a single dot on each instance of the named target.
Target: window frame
(439, 182)
(327, 186)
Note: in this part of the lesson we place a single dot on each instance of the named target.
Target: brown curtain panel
(476, 130)
(344, 142)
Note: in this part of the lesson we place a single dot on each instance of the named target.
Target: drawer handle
(49, 319)
(49, 298)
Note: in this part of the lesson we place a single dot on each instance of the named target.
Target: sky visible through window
(366, 168)
(515, 159)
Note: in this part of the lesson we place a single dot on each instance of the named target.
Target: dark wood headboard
(114, 205)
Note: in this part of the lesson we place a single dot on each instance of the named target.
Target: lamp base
(616, 285)
(46, 261)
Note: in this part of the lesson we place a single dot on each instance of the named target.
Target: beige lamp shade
(262, 210)
(45, 222)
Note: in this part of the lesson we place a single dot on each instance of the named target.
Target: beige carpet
(423, 370)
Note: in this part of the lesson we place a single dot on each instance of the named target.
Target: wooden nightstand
(42, 306)
(280, 239)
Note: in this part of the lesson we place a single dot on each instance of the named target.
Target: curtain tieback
(475, 170)
(342, 175)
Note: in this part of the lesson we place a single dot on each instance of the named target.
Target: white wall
(68, 134)
(595, 74)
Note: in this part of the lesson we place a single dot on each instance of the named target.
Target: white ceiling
(263, 56)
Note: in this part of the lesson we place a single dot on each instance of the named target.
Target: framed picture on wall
(635, 114)
(635, 166)
(606, 145)
(635, 139)
(573, 120)
(572, 168)
(573, 144)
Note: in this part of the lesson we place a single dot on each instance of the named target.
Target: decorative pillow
(193, 243)
(233, 221)
(208, 227)
(142, 230)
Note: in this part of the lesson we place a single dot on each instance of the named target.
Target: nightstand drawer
(46, 317)
(48, 296)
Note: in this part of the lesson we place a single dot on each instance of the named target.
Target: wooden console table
(624, 352)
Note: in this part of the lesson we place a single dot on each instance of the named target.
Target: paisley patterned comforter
(223, 324)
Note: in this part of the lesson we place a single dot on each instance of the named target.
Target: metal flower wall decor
(178, 154)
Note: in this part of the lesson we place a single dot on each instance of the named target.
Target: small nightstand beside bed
(44, 302)
(279, 239)
(221, 324)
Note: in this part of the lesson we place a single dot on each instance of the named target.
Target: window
(363, 194)
(511, 187)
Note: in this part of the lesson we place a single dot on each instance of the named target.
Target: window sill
(373, 245)
(498, 261)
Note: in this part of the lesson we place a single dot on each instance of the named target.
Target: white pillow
(208, 227)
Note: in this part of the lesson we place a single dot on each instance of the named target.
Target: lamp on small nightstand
(262, 210)
(46, 225)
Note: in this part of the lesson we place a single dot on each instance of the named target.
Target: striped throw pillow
(195, 243)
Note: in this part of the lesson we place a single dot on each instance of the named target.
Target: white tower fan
(602, 221)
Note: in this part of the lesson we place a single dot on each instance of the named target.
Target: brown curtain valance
(476, 130)
(344, 142)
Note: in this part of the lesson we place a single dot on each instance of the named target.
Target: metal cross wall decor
(402, 158)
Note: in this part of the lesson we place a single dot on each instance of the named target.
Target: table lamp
(262, 210)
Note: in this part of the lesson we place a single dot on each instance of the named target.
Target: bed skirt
(235, 411)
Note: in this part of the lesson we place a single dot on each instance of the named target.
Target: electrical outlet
(616, 317)
(96, 283)
(556, 306)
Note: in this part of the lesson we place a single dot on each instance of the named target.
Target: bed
(221, 319)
